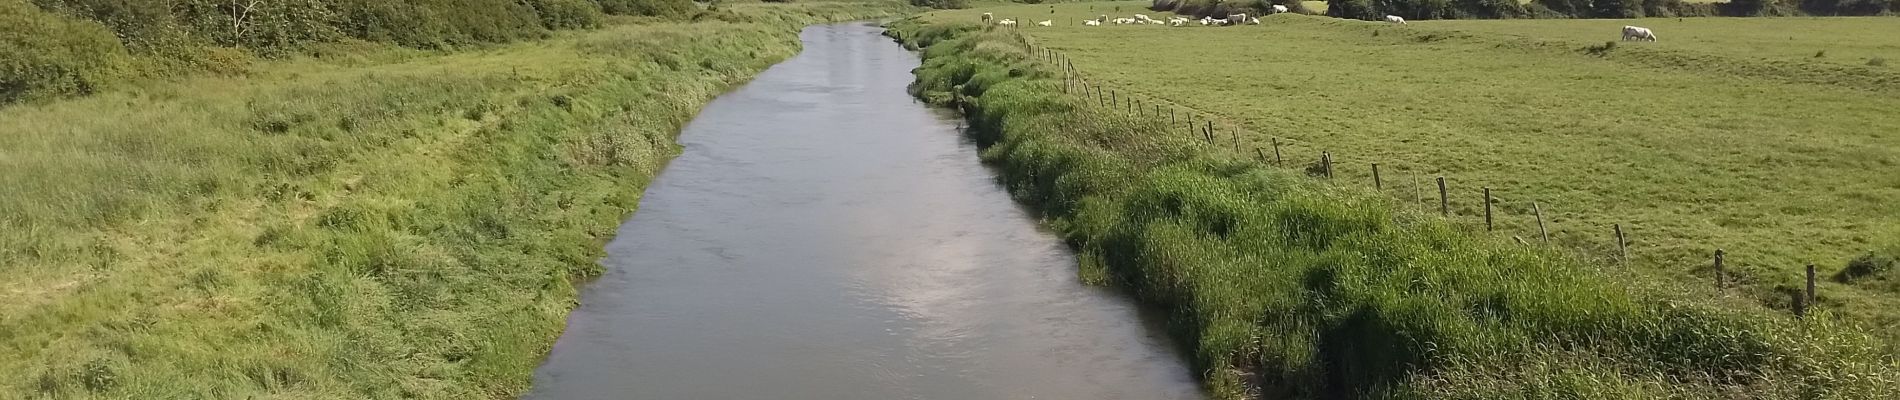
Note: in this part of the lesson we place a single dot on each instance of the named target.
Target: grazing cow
(1046, 22)
(1278, 8)
(1236, 19)
(1141, 17)
(1007, 22)
(987, 18)
(1091, 22)
(1638, 33)
(1395, 19)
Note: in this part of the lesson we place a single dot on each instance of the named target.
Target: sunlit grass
(1306, 288)
(402, 226)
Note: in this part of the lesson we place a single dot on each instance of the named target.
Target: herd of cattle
(1629, 32)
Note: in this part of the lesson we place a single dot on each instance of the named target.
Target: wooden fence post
(1260, 155)
(1277, 160)
(1114, 100)
(1720, 281)
(1376, 183)
(1444, 199)
(1622, 247)
(1209, 131)
(1236, 132)
(1171, 119)
(1487, 209)
(1800, 306)
(1418, 191)
(1326, 163)
(1811, 298)
(1540, 222)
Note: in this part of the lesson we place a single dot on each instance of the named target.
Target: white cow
(1091, 23)
(1142, 17)
(1124, 21)
(1046, 22)
(1205, 21)
(987, 18)
(1236, 19)
(1638, 33)
(1007, 22)
(1395, 19)
(1178, 22)
(1278, 8)
(1253, 21)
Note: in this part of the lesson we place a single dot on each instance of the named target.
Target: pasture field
(1282, 286)
(1686, 157)
(392, 224)
(1841, 40)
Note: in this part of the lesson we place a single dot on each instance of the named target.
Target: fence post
(1114, 100)
(1259, 155)
(1171, 119)
(1326, 163)
(1811, 298)
(1444, 200)
(1236, 132)
(1540, 224)
(1622, 247)
(1418, 191)
(1376, 183)
(1209, 131)
(1800, 307)
(1487, 209)
(1720, 281)
(1277, 160)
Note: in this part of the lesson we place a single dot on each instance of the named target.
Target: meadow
(376, 223)
(1775, 159)
(1284, 286)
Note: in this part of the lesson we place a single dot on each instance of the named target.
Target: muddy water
(825, 236)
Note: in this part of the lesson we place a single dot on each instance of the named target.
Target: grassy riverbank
(1728, 134)
(391, 225)
(1285, 286)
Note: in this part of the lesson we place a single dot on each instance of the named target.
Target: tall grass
(405, 229)
(1282, 286)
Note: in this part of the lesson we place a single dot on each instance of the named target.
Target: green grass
(1779, 162)
(392, 226)
(1283, 286)
(1841, 40)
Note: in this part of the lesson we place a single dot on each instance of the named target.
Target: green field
(1283, 286)
(1737, 144)
(1842, 40)
(387, 223)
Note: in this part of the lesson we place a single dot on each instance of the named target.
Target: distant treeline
(53, 47)
(1491, 9)
(1467, 9)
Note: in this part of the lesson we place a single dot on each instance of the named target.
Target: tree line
(1469, 9)
(58, 47)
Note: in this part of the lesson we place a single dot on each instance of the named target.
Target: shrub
(1876, 62)
(655, 8)
(567, 14)
(48, 54)
(941, 4)
(1873, 265)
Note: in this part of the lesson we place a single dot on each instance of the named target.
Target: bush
(49, 55)
(1873, 265)
(941, 4)
(568, 14)
(654, 8)
(1424, 9)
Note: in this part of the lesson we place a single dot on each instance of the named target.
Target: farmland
(378, 223)
(1720, 138)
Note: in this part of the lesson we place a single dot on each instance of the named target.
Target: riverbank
(369, 228)
(1286, 286)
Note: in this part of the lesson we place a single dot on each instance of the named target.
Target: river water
(826, 236)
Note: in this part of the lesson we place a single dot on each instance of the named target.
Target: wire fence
(1224, 135)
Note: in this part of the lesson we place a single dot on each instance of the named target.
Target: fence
(1205, 126)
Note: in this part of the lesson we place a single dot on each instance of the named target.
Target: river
(826, 236)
